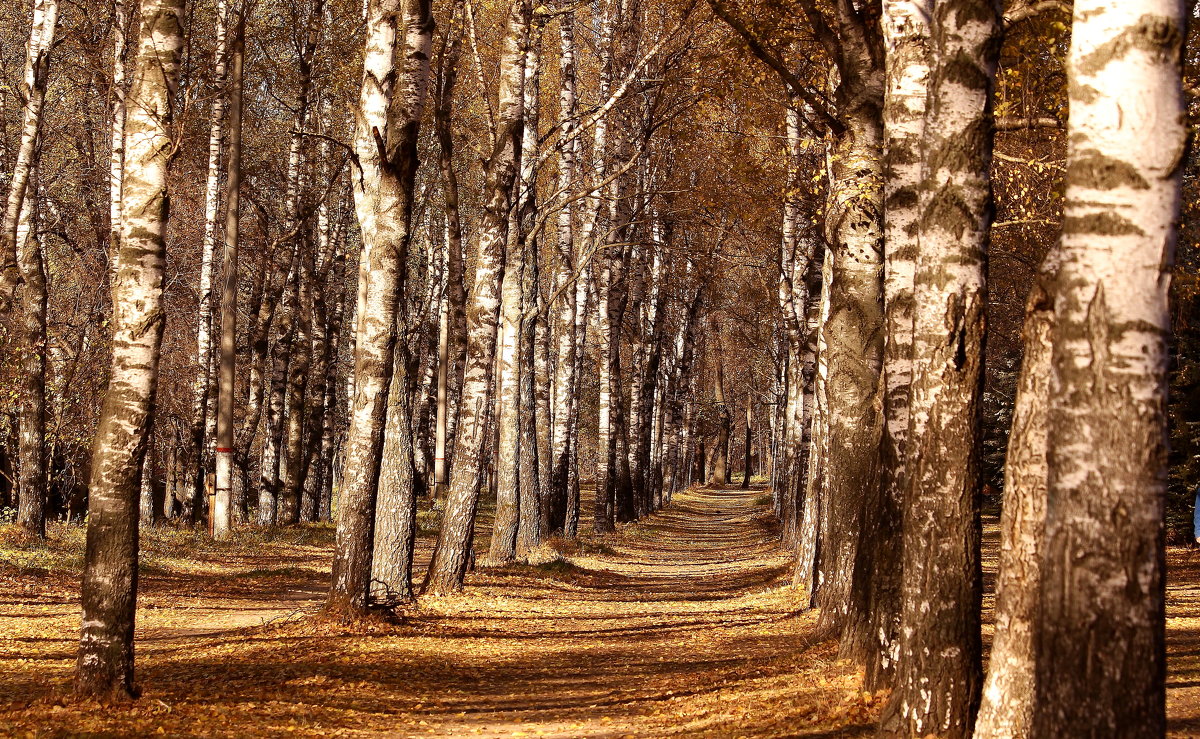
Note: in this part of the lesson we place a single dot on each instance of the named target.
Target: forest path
(677, 625)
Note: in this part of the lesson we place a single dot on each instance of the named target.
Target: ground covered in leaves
(679, 625)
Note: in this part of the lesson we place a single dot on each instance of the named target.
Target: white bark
(105, 666)
(1100, 645)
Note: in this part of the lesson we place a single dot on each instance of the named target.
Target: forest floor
(679, 625)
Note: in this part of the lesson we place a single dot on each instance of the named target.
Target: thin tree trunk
(224, 501)
(583, 294)
(815, 510)
(105, 665)
(508, 491)
(450, 373)
(32, 477)
(116, 158)
(720, 456)
(530, 405)
(294, 460)
(564, 315)
(33, 88)
(204, 380)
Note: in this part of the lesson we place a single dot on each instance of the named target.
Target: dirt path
(674, 626)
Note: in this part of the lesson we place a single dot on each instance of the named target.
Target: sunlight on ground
(681, 625)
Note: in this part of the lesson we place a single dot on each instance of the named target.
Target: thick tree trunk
(938, 671)
(389, 118)
(1100, 642)
(451, 553)
(105, 666)
(854, 342)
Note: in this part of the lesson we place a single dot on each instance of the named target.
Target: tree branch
(1032, 9)
(826, 120)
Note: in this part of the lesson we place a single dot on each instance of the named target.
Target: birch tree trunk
(583, 297)
(906, 33)
(720, 455)
(508, 452)
(33, 89)
(116, 157)
(1101, 634)
(389, 119)
(854, 343)
(396, 509)
(293, 462)
(939, 664)
(223, 503)
(563, 328)
(815, 512)
(204, 382)
(105, 665)
(32, 477)
(532, 402)
(451, 553)
(1006, 711)
(450, 371)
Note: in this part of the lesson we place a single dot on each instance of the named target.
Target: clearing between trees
(682, 624)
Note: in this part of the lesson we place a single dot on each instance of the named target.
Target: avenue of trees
(268, 263)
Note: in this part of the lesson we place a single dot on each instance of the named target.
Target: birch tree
(389, 117)
(32, 475)
(33, 89)
(21, 263)
(1009, 691)
(105, 664)
(1101, 633)
(451, 553)
(205, 381)
(223, 503)
(906, 33)
(939, 662)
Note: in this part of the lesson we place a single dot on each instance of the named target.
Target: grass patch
(428, 522)
(581, 546)
(764, 500)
